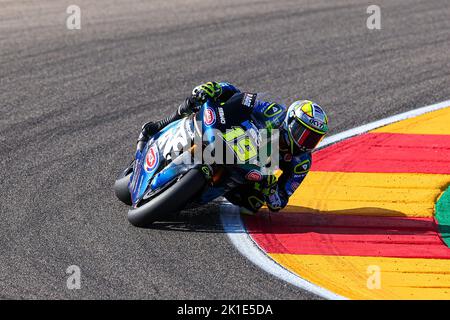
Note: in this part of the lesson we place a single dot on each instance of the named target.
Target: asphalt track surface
(72, 103)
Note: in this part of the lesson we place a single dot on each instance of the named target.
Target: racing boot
(149, 129)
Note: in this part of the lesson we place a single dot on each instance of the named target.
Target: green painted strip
(443, 216)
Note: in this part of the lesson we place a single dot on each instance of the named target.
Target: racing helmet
(306, 124)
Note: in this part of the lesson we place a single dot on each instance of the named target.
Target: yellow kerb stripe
(381, 194)
(348, 276)
(437, 122)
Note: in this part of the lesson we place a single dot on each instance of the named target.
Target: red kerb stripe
(348, 235)
(387, 152)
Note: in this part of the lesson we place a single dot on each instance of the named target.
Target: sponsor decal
(295, 185)
(151, 160)
(249, 99)
(209, 117)
(316, 123)
(302, 167)
(221, 115)
(287, 157)
(206, 172)
(255, 135)
(274, 201)
(273, 110)
(254, 175)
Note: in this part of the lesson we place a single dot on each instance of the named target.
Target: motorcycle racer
(301, 126)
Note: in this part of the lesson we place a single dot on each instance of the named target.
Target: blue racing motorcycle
(191, 162)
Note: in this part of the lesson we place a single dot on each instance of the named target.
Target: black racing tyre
(171, 200)
(121, 185)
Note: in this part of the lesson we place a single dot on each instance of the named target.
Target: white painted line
(240, 238)
(233, 226)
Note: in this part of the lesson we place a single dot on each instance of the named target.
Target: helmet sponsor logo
(209, 117)
(253, 175)
(316, 123)
(151, 160)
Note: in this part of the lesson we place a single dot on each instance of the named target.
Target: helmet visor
(304, 138)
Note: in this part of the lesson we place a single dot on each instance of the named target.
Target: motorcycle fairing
(179, 134)
(166, 142)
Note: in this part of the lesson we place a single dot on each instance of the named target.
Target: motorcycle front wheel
(171, 200)
(121, 185)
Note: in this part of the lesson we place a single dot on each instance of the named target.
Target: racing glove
(275, 198)
(208, 90)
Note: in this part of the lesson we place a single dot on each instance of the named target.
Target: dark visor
(305, 138)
